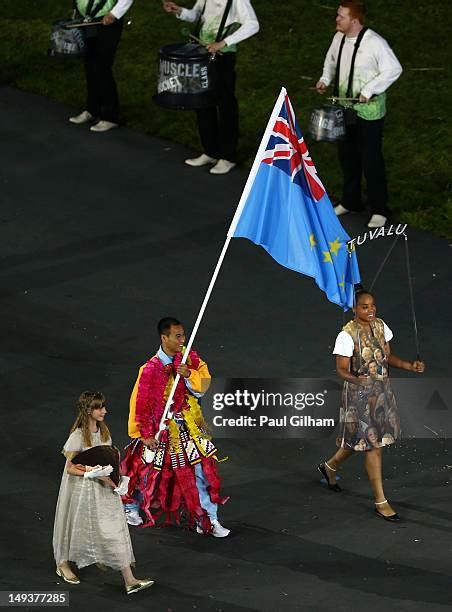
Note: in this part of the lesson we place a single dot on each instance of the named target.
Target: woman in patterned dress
(367, 398)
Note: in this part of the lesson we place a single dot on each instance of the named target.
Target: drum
(327, 123)
(66, 41)
(186, 77)
(100, 455)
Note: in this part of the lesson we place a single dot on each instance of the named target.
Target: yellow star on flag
(327, 257)
(335, 246)
(312, 241)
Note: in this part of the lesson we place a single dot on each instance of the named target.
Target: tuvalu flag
(285, 209)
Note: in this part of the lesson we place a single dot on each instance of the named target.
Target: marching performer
(181, 479)
(369, 418)
(90, 527)
(224, 23)
(102, 104)
(361, 65)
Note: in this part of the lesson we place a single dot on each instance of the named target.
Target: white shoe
(84, 117)
(340, 210)
(201, 160)
(223, 166)
(103, 126)
(133, 517)
(377, 221)
(219, 531)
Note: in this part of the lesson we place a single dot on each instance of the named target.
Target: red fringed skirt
(166, 489)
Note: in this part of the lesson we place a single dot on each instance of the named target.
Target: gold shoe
(139, 586)
(59, 572)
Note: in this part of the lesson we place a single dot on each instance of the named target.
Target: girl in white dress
(90, 525)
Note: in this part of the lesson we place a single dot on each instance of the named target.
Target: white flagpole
(166, 413)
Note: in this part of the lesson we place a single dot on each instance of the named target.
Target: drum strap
(349, 93)
(223, 21)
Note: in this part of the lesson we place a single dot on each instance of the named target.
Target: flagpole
(166, 413)
(271, 122)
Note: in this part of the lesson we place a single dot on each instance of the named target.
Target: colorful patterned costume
(168, 484)
(369, 416)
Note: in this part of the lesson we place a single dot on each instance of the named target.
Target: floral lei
(150, 402)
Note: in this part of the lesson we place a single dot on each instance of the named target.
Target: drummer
(102, 104)
(375, 68)
(218, 125)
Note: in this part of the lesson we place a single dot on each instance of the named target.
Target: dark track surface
(101, 235)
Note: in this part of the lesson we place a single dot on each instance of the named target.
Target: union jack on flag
(287, 150)
(285, 209)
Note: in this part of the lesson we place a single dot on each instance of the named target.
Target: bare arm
(402, 364)
(343, 369)
(73, 469)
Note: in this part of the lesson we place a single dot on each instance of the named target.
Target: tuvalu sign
(379, 232)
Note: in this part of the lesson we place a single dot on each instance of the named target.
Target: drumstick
(198, 40)
(333, 98)
(82, 25)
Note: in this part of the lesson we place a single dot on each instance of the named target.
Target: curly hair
(86, 403)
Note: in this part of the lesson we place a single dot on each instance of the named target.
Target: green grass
(289, 50)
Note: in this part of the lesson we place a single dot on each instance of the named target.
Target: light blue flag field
(285, 209)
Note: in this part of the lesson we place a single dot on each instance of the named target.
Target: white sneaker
(340, 210)
(223, 166)
(84, 117)
(103, 126)
(377, 221)
(133, 517)
(219, 531)
(201, 160)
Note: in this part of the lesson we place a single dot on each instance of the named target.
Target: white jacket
(241, 12)
(376, 66)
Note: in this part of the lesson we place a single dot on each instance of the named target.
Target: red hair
(355, 8)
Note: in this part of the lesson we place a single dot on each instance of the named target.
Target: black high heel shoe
(392, 518)
(332, 487)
